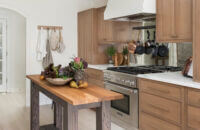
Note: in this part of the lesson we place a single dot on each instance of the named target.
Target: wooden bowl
(58, 81)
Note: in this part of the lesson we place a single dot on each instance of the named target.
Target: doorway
(12, 51)
(3, 53)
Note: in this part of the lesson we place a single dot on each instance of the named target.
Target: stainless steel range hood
(130, 10)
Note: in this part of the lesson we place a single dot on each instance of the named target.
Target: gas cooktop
(145, 69)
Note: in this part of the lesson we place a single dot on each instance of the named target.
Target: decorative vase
(79, 75)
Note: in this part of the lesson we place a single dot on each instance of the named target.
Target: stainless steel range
(124, 80)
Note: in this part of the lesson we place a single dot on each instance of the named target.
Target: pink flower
(77, 60)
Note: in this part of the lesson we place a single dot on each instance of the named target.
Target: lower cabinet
(161, 106)
(193, 109)
(95, 77)
(193, 118)
(148, 122)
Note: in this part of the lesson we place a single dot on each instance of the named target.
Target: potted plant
(111, 52)
(78, 65)
(125, 54)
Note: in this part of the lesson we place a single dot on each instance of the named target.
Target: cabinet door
(193, 118)
(105, 27)
(174, 21)
(85, 36)
(148, 122)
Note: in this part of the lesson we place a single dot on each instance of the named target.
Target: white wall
(16, 46)
(48, 12)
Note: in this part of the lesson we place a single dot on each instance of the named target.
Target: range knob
(123, 81)
(132, 83)
(128, 82)
(118, 79)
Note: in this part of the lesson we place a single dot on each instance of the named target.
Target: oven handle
(135, 91)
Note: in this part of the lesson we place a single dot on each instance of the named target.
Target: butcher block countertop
(74, 96)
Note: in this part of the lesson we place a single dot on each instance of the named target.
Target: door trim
(3, 87)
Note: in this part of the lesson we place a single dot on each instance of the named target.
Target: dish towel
(48, 59)
(41, 45)
(54, 40)
(61, 45)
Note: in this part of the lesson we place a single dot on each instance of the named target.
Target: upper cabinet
(114, 31)
(88, 47)
(105, 28)
(174, 21)
(86, 34)
(95, 34)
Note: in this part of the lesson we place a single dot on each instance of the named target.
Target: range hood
(130, 10)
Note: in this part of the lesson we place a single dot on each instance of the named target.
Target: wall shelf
(144, 27)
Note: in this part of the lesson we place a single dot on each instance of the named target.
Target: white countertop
(100, 67)
(105, 66)
(173, 78)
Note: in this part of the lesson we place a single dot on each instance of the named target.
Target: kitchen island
(67, 103)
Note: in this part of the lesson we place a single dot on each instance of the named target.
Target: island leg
(34, 108)
(58, 115)
(70, 117)
(103, 116)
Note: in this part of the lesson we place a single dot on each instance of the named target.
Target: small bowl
(58, 81)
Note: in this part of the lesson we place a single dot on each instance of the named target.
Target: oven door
(125, 109)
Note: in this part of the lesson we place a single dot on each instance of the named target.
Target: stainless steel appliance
(124, 80)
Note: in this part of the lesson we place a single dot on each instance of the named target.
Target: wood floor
(15, 116)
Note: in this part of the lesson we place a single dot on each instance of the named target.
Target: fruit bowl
(58, 81)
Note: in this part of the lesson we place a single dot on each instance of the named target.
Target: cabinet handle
(173, 33)
(162, 91)
(159, 108)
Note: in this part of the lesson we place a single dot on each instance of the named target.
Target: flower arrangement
(75, 71)
(78, 64)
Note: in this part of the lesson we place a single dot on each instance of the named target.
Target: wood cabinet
(193, 109)
(164, 106)
(105, 28)
(161, 107)
(114, 31)
(88, 47)
(152, 123)
(174, 21)
(95, 77)
(161, 102)
(193, 118)
(196, 40)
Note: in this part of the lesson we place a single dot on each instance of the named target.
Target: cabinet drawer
(148, 122)
(94, 74)
(194, 118)
(194, 98)
(160, 107)
(160, 89)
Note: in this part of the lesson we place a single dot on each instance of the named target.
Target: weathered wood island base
(67, 103)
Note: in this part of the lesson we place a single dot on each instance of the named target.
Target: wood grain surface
(74, 96)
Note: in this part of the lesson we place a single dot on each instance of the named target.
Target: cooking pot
(140, 49)
(148, 48)
(163, 51)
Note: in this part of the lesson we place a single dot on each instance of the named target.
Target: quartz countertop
(172, 77)
(105, 66)
(100, 67)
